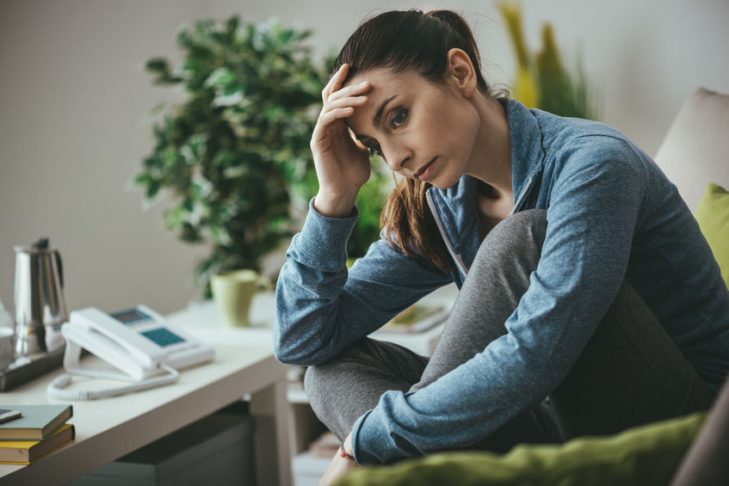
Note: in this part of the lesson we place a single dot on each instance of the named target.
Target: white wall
(73, 101)
(642, 57)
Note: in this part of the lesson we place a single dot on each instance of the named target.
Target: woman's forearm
(309, 287)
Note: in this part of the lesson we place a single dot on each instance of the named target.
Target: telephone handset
(137, 341)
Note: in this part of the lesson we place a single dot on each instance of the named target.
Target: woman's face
(423, 130)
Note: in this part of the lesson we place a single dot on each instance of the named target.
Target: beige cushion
(696, 148)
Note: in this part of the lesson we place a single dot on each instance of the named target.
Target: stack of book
(40, 429)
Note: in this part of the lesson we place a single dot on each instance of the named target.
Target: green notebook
(37, 423)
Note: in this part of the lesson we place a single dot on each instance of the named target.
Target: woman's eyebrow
(378, 115)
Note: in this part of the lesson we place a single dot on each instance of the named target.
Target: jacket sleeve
(322, 308)
(593, 210)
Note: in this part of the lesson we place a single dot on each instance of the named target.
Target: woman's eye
(399, 118)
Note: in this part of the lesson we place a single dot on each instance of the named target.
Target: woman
(589, 301)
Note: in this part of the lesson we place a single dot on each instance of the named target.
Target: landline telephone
(138, 341)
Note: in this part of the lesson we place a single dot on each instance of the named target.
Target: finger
(336, 78)
(326, 127)
(333, 79)
(339, 79)
(343, 102)
(333, 115)
(356, 89)
(326, 119)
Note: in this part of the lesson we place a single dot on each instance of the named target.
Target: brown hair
(411, 41)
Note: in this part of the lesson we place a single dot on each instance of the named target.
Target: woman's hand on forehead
(340, 84)
(342, 166)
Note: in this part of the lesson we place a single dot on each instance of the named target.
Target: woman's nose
(397, 158)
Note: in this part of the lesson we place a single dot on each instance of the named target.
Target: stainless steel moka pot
(40, 308)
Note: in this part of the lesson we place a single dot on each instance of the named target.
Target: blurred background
(75, 104)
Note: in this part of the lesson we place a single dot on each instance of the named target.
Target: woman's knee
(344, 388)
(518, 238)
(322, 383)
(334, 376)
(368, 361)
(322, 380)
(324, 393)
(525, 229)
(313, 381)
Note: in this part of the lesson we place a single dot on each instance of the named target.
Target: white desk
(110, 428)
(203, 320)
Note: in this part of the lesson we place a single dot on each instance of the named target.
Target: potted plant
(234, 156)
(542, 81)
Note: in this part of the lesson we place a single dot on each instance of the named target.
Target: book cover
(37, 423)
(27, 451)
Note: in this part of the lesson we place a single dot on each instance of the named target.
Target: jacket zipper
(456, 258)
(520, 200)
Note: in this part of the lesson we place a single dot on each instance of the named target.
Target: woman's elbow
(287, 352)
(287, 356)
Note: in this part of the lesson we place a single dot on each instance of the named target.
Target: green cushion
(713, 217)
(642, 456)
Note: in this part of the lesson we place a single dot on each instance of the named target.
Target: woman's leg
(630, 346)
(346, 387)
(349, 385)
(629, 373)
(498, 277)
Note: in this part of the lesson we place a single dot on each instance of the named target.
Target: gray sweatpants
(629, 373)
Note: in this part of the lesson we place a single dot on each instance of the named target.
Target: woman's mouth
(426, 172)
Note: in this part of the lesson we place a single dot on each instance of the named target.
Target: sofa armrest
(705, 462)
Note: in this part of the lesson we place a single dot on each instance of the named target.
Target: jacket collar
(527, 153)
(455, 208)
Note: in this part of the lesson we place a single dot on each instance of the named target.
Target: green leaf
(220, 77)
(231, 99)
(142, 179)
(153, 188)
(234, 154)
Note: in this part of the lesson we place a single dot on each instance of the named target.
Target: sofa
(688, 450)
